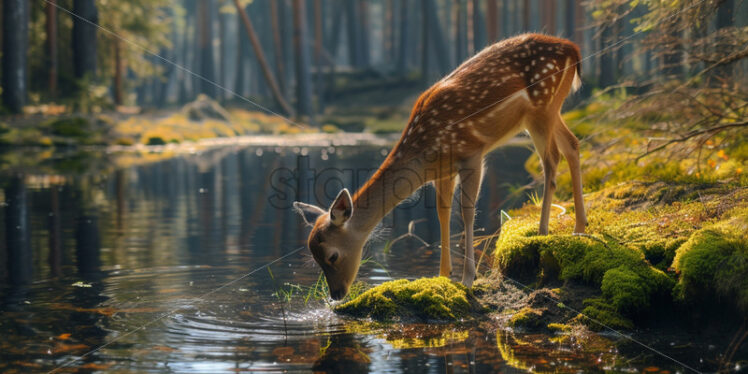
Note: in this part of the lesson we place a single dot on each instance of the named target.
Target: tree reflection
(18, 233)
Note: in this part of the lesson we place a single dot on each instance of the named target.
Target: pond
(196, 263)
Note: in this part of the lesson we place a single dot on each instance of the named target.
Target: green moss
(599, 314)
(155, 140)
(124, 141)
(73, 127)
(714, 263)
(330, 129)
(426, 298)
(627, 281)
(527, 317)
(560, 327)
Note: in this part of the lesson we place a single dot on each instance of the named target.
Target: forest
(179, 177)
(295, 57)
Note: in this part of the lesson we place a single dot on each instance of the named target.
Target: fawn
(517, 84)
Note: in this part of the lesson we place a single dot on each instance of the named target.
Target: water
(110, 264)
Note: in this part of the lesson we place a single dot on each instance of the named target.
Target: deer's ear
(342, 208)
(308, 212)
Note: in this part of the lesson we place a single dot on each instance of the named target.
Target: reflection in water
(18, 232)
(90, 256)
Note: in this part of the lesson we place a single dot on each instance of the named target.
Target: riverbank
(53, 126)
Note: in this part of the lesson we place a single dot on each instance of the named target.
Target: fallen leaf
(163, 348)
(63, 348)
(94, 366)
(27, 364)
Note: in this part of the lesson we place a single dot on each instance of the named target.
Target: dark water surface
(159, 268)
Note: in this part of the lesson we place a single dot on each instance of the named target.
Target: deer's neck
(390, 185)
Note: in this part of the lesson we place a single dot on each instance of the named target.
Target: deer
(517, 84)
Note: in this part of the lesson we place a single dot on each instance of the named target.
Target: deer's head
(336, 247)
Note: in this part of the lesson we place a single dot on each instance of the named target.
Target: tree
(433, 37)
(205, 47)
(261, 59)
(690, 109)
(607, 62)
(549, 16)
(278, 45)
(85, 20)
(15, 47)
(569, 14)
(148, 22)
(303, 81)
(492, 24)
(363, 34)
(51, 45)
(460, 37)
(479, 33)
(402, 54)
(355, 54)
(725, 21)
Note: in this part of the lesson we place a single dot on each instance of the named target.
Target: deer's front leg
(444, 190)
(470, 178)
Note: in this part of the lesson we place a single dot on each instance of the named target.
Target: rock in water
(205, 108)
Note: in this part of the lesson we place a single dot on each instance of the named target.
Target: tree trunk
(223, 52)
(402, 55)
(318, 43)
(278, 46)
(725, 19)
(460, 37)
(469, 28)
(242, 55)
(354, 46)
(607, 69)
(15, 47)
(303, 81)
(262, 61)
(479, 33)
(425, 42)
(579, 21)
(492, 24)
(84, 38)
(526, 15)
(569, 12)
(117, 72)
(387, 34)
(205, 48)
(725, 14)
(549, 16)
(438, 39)
(51, 44)
(363, 22)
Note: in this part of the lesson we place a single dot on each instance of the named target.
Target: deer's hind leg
(542, 134)
(569, 146)
(445, 189)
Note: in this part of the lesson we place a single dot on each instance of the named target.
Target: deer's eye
(333, 258)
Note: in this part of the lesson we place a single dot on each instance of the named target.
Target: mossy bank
(640, 261)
